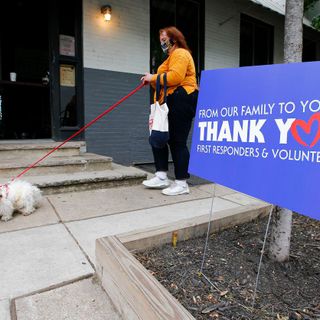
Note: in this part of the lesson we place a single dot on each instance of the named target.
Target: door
(66, 68)
(188, 17)
(24, 66)
(43, 52)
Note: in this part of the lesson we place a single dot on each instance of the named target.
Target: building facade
(71, 64)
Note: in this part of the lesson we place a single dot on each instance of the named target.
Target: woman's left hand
(146, 78)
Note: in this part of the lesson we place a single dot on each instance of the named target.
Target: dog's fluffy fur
(18, 196)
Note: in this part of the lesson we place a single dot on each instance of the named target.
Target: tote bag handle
(158, 87)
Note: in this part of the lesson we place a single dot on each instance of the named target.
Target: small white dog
(18, 196)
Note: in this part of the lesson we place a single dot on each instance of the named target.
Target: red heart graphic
(306, 127)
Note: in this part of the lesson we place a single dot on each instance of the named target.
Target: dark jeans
(182, 109)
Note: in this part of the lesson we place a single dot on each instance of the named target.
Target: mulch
(286, 291)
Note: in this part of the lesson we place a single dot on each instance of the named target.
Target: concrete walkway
(47, 259)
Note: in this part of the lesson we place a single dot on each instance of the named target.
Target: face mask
(165, 46)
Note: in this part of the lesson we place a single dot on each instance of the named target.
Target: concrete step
(116, 176)
(81, 300)
(54, 165)
(38, 148)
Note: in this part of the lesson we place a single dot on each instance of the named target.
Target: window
(188, 17)
(256, 42)
(68, 64)
(309, 52)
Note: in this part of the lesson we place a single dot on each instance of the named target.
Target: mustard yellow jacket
(180, 70)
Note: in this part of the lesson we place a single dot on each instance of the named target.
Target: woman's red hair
(176, 36)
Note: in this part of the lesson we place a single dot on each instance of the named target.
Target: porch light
(106, 11)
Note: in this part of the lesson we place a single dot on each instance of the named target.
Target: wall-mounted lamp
(106, 11)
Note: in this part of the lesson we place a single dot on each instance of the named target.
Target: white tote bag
(158, 118)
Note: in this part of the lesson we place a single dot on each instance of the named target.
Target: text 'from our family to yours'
(246, 124)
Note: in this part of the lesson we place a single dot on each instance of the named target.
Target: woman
(182, 99)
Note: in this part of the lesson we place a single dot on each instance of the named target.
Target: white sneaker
(176, 189)
(156, 183)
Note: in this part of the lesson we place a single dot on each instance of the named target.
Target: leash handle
(80, 130)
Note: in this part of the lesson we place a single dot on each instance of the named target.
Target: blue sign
(257, 130)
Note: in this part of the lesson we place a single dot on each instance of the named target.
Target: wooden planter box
(135, 293)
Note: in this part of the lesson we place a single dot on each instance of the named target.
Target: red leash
(80, 130)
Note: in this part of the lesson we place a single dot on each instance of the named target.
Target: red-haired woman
(182, 96)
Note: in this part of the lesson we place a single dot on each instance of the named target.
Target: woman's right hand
(146, 78)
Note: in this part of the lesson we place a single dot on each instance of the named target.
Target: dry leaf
(214, 315)
(223, 293)
(211, 298)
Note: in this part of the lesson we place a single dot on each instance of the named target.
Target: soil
(288, 290)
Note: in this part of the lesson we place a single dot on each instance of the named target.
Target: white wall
(121, 44)
(221, 41)
(222, 31)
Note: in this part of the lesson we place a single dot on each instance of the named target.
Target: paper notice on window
(67, 75)
(66, 45)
